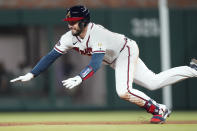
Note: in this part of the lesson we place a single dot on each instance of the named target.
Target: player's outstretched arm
(41, 66)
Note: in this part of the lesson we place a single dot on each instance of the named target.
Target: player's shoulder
(97, 27)
(67, 35)
(98, 30)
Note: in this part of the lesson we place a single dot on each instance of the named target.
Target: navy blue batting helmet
(76, 13)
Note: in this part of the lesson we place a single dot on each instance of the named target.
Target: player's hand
(23, 78)
(72, 82)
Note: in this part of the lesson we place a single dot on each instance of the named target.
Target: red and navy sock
(152, 108)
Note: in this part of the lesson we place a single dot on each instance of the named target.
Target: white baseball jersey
(97, 40)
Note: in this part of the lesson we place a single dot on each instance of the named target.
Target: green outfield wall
(141, 25)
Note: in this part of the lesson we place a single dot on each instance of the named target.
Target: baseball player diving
(116, 50)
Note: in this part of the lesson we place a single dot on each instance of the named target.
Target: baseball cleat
(161, 117)
(193, 64)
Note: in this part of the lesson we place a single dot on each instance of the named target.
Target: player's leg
(152, 81)
(125, 70)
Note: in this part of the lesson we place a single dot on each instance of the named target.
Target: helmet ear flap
(83, 23)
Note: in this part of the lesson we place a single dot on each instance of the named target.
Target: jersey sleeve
(64, 44)
(98, 47)
(45, 62)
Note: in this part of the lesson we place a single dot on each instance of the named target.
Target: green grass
(102, 128)
(95, 116)
(73, 116)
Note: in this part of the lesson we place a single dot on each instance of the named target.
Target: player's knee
(124, 96)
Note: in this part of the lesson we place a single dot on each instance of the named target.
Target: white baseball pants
(130, 68)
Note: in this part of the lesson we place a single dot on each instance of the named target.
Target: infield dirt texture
(94, 121)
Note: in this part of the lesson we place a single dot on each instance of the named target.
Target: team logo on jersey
(74, 43)
(100, 45)
(87, 51)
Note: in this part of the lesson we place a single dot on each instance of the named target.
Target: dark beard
(81, 27)
(77, 33)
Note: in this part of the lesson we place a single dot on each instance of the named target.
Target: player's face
(74, 27)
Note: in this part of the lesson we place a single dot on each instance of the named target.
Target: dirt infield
(89, 123)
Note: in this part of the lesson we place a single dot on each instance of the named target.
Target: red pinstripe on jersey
(89, 37)
(87, 41)
(78, 39)
(124, 44)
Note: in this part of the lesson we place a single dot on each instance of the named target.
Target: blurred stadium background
(30, 28)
